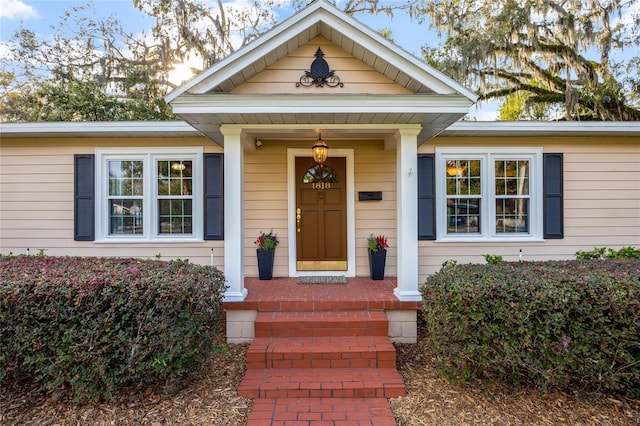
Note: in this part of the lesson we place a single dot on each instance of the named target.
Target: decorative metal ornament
(319, 75)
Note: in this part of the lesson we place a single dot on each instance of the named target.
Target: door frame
(292, 153)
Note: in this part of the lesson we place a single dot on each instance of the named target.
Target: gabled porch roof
(435, 101)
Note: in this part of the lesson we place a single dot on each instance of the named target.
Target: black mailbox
(369, 195)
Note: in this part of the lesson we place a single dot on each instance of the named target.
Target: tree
(90, 70)
(374, 7)
(632, 67)
(556, 54)
(93, 69)
(194, 30)
(16, 99)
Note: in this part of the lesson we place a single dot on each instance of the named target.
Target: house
(400, 163)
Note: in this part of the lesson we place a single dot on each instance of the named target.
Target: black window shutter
(426, 197)
(83, 197)
(553, 196)
(213, 197)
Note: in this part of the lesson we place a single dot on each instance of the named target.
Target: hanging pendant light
(178, 167)
(320, 150)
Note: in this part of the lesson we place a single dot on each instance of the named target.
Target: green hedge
(94, 325)
(573, 324)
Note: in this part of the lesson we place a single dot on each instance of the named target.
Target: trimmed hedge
(609, 253)
(95, 325)
(571, 324)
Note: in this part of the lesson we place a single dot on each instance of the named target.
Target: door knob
(298, 217)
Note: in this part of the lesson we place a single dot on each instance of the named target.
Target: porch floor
(321, 353)
(285, 294)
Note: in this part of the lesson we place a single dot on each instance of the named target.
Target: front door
(321, 214)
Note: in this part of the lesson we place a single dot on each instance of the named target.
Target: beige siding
(601, 201)
(36, 200)
(266, 203)
(358, 78)
(601, 178)
(375, 171)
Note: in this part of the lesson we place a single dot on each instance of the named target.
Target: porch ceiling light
(320, 151)
(178, 166)
(455, 170)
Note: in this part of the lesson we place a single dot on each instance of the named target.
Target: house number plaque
(321, 185)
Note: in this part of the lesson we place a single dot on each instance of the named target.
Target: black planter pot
(377, 262)
(265, 263)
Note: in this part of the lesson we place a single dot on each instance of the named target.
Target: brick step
(322, 383)
(307, 411)
(321, 352)
(297, 304)
(321, 324)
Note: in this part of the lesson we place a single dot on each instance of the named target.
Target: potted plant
(266, 250)
(377, 256)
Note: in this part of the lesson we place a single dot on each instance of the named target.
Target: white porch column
(407, 210)
(233, 215)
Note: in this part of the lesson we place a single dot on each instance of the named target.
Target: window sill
(149, 241)
(514, 239)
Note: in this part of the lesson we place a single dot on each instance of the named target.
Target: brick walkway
(322, 411)
(321, 355)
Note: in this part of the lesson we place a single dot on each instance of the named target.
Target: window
(512, 195)
(320, 173)
(491, 194)
(126, 192)
(175, 196)
(149, 196)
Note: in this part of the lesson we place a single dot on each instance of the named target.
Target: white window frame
(487, 156)
(149, 156)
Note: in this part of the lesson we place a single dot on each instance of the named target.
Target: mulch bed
(210, 398)
(432, 400)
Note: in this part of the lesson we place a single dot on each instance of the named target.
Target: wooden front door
(321, 215)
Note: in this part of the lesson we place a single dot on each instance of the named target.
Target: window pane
(463, 177)
(115, 187)
(125, 217)
(163, 169)
(175, 216)
(137, 186)
(187, 187)
(163, 186)
(512, 177)
(463, 215)
(512, 215)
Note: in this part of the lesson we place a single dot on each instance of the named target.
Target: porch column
(407, 210)
(233, 215)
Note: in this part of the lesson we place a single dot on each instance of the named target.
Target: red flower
(267, 241)
(377, 243)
